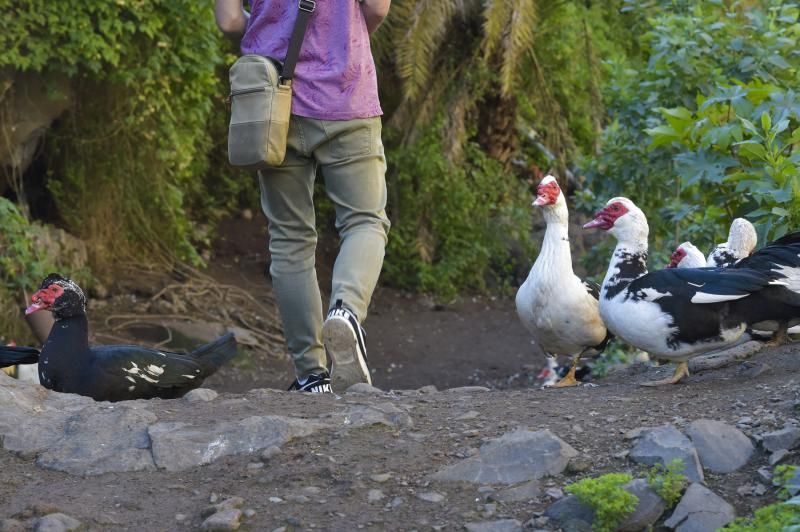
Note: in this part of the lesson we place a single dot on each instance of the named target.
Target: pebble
(554, 493)
(223, 521)
(380, 478)
(431, 496)
(276, 500)
(375, 495)
(249, 513)
(397, 501)
(200, 395)
(57, 522)
(180, 517)
(269, 452)
(472, 414)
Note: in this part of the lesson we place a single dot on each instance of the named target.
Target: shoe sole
(348, 367)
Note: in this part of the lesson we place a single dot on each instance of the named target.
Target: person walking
(335, 127)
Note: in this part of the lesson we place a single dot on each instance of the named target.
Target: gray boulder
(178, 446)
(663, 444)
(570, 513)
(102, 440)
(700, 510)
(514, 457)
(721, 447)
(786, 438)
(648, 510)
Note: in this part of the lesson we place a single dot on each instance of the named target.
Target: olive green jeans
(349, 154)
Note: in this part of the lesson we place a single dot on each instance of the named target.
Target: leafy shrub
(131, 152)
(23, 265)
(668, 481)
(710, 106)
(453, 226)
(611, 503)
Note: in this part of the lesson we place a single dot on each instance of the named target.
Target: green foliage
(24, 262)
(610, 502)
(783, 477)
(668, 481)
(783, 516)
(453, 225)
(710, 106)
(127, 159)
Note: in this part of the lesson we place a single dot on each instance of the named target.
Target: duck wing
(161, 368)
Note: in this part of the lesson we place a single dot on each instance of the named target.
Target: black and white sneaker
(343, 338)
(314, 383)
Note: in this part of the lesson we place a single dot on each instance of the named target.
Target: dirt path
(410, 341)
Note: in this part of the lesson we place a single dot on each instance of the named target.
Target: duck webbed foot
(569, 379)
(780, 336)
(681, 371)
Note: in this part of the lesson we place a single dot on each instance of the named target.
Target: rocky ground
(456, 435)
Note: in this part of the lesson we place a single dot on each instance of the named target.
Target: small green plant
(783, 477)
(784, 516)
(610, 502)
(668, 480)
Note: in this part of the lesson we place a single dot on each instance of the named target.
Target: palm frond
(496, 17)
(520, 41)
(423, 25)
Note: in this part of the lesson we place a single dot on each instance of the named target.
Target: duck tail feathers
(12, 355)
(215, 354)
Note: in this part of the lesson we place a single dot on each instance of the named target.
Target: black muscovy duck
(676, 314)
(114, 372)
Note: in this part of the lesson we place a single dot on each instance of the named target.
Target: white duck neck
(555, 245)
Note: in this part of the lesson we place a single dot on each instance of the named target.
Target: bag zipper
(248, 91)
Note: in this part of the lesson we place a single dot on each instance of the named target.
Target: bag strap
(305, 8)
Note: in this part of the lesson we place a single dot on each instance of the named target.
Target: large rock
(648, 509)
(721, 447)
(663, 444)
(700, 510)
(178, 446)
(106, 440)
(570, 513)
(786, 438)
(514, 457)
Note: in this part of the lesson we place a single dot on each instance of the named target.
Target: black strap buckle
(308, 6)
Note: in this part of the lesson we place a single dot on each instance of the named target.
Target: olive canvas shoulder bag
(261, 101)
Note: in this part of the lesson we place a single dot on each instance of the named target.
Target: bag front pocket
(260, 111)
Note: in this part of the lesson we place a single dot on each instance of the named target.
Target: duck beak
(539, 201)
(35, 307)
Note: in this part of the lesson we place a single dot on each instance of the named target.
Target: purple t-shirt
(335, 74)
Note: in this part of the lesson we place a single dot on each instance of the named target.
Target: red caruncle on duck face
(605, 218)
(547, 194)
(43, 299)
(676, 257)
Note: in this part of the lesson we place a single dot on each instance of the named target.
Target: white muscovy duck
(742, 240)
(676, 314)
(686, 256)
(555, 305)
